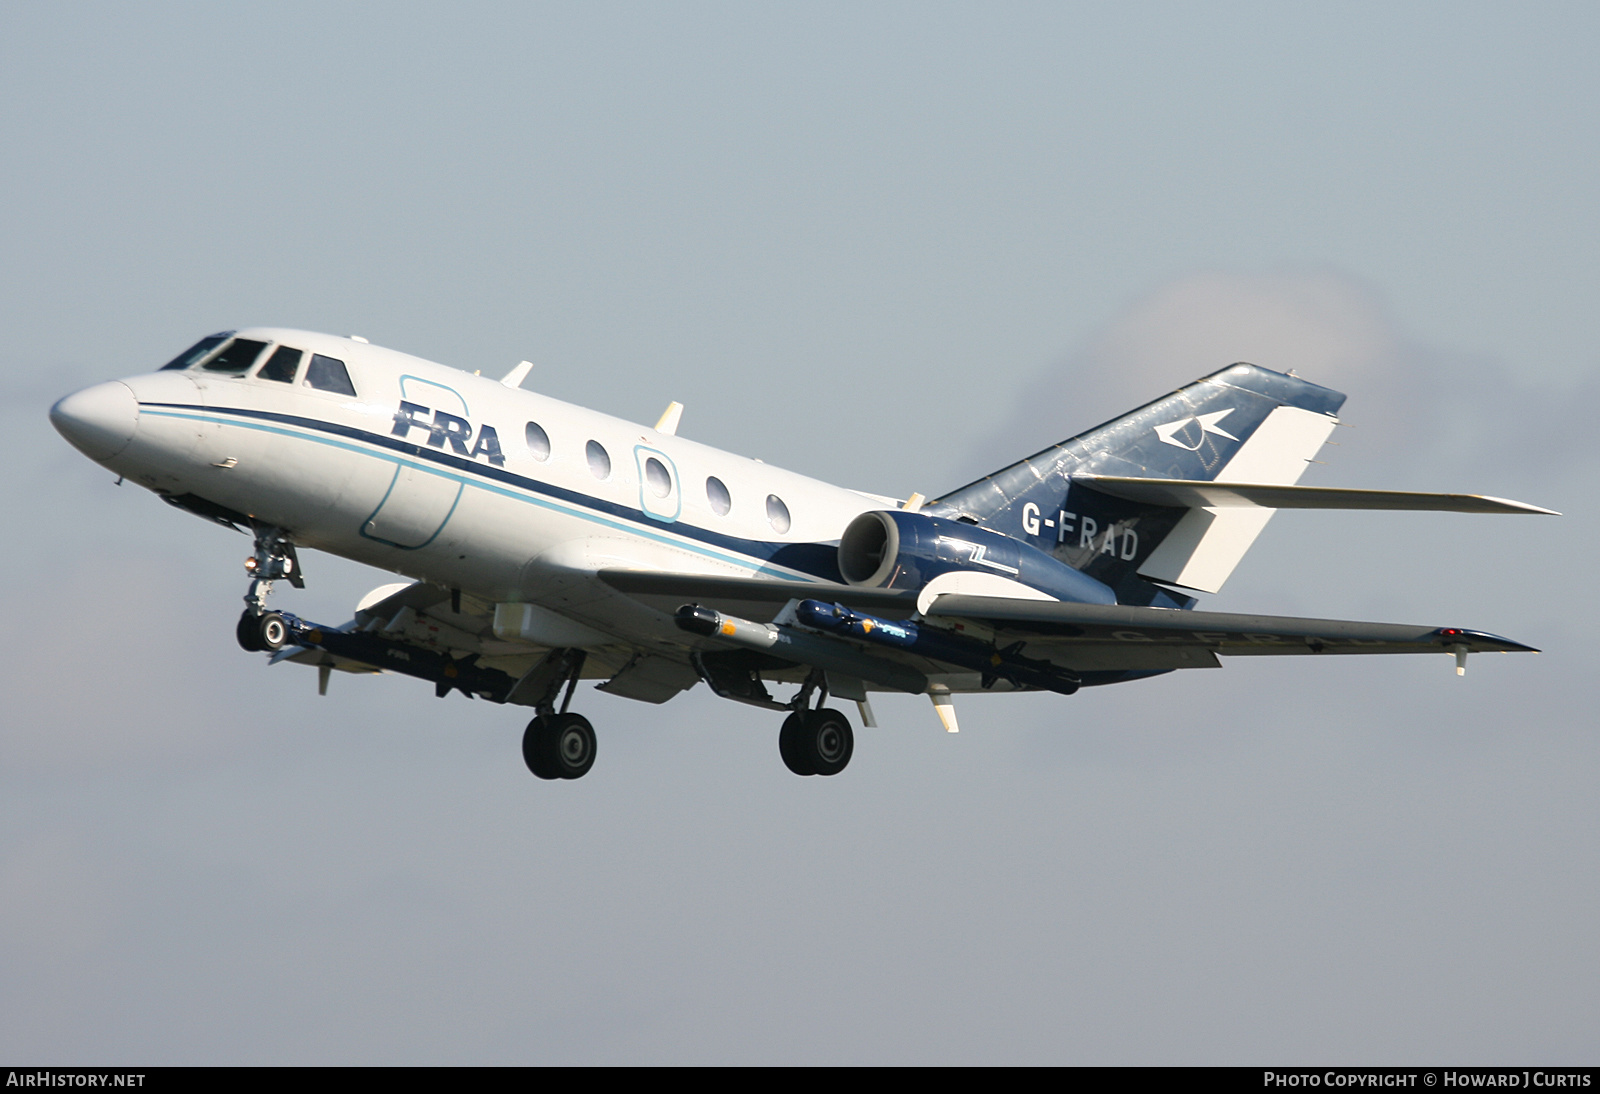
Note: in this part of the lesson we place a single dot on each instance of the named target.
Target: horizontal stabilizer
(1063, 625)
(1201, 494)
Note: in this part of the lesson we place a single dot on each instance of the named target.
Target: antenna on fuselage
(515, 377)
(669, 419)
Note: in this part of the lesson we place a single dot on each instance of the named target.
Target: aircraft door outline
(666, 507)
(419, 501)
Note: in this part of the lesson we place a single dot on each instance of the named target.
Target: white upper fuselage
(429, 472)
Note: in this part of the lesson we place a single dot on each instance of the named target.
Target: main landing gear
(560, 745)
(816, 742)
(819, 741)
(274, 559)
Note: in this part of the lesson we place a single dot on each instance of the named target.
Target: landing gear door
(659, 494)
(423, 494)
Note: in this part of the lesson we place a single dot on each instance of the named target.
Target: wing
(1083, 638)
(1091, 637)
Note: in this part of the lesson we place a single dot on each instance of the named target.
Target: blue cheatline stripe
(803, 560)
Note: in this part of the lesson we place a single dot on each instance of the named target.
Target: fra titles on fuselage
(451, 429)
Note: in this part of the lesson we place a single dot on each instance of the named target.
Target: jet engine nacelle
(891, 549)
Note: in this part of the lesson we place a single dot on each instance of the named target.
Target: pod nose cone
(99, 420)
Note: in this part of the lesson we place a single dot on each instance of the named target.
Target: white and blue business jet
(547, 544)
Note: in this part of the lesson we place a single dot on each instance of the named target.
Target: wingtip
(1521, 506)
(1481, 641)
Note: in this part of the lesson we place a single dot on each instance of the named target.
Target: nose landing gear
(264, 632)
(274, 559)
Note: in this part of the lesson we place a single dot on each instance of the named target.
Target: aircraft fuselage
(458, 480)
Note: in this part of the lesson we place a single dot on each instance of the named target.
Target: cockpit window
(282, 365)
(240, 354)
(329, 374)
(197, 351)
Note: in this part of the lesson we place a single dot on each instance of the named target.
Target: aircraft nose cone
(99, 420)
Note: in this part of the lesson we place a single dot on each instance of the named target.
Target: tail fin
(1242, 424)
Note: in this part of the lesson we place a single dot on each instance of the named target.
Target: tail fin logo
(1190, 433)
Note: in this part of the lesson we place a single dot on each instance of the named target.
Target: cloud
(1418, 409)
(1328, 327)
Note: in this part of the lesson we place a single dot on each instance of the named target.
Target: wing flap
(1104, 628)
(1126, 657)
(750, 595)
(1199, 494)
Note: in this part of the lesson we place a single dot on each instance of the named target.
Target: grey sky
(888, 245)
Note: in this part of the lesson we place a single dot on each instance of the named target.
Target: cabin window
(657, 478)
(194, 353)
(777, 514)
(328, 374)
(282, 365)
(240, 355)
(717, 494)
(538, 441)
(599, 460)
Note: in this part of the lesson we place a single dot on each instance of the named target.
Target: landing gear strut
(274, 559)
(560, 745)
(815, 742)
